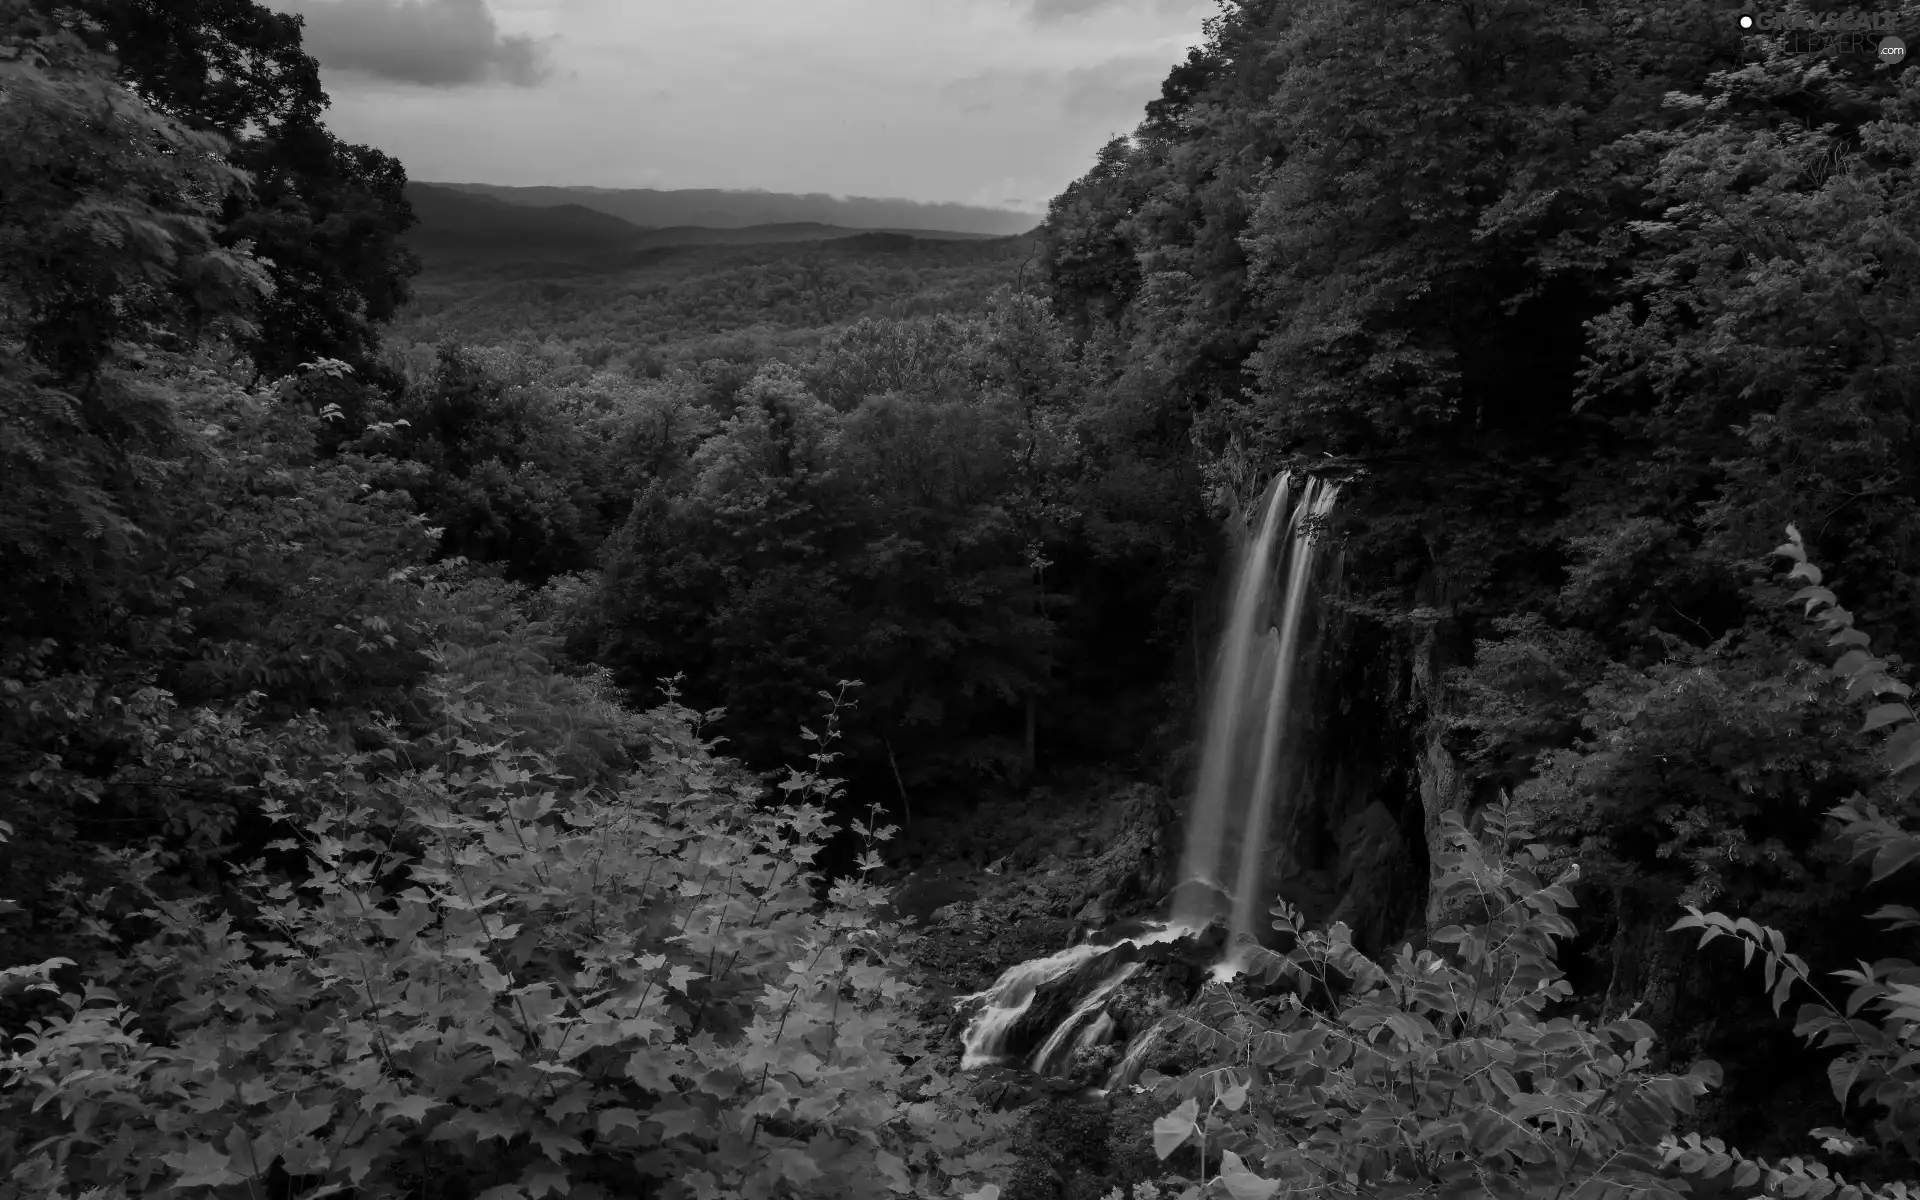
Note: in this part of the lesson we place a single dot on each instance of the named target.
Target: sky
(999, 103)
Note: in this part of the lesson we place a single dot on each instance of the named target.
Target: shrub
(1877, 1030)
(476, 984)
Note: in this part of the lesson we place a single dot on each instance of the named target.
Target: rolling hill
(459, 227)
(712, 208)
(456, 225)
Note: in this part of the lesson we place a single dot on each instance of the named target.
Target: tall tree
(326, 214)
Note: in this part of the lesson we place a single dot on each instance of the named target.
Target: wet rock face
(1441, 645)
(1052, 1003)
(1182, 965)
(1377, 881)
(1351, 842)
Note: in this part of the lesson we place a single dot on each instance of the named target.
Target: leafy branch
(1880, 1059)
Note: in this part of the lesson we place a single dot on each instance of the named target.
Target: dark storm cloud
(436, 43)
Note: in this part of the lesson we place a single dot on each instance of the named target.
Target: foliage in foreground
(1877, 1029)
(481, 982)
(352, 893)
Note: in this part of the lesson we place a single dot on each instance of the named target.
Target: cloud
(435, 43)
(1061, 10)
(988, 90)
(1118, 87)
(859, 97)
(1047, 12)
(1014, 195)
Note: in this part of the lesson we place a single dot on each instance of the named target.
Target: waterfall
(1250, 775)
(1246, 770)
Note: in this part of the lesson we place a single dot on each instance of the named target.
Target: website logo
(1864, 33)
(1852, 22)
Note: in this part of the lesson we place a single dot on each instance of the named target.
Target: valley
(1366, 654)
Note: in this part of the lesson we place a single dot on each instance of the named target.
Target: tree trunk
(906, 808)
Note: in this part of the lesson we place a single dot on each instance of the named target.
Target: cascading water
(1092, 1011)
(1248, 775)
(1245, 772)
(1005, 1005)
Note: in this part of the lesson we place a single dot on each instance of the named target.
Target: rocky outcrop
(1436, 646)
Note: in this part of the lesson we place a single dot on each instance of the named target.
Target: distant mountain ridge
(457, 225)
(791, 231)
(713, 208)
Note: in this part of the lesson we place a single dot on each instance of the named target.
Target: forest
(498, 727)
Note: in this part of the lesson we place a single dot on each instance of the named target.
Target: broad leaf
(1171, 1131)
(1241, 1183)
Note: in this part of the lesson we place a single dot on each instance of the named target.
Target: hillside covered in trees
(714, 208)
(642, 310)
(541, 727)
